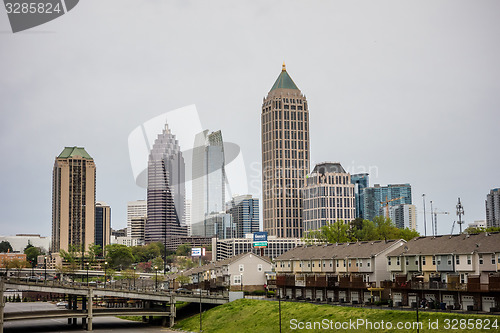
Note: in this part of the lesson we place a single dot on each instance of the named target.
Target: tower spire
(284, 66)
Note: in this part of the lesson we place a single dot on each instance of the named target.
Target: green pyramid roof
(74, 151)
(284, 81)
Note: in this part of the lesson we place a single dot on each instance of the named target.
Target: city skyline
(406, 92)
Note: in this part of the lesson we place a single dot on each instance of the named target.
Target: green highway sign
(259, 244)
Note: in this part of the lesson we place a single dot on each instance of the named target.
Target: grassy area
(262, 316)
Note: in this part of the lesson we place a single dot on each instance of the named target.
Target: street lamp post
(156, 278)
(199, 284)
(241, 281)
(45, 269)
(88, 274)
(134, 276)
(105, 277)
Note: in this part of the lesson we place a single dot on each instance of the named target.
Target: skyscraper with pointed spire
(285, 156)
(166, 190)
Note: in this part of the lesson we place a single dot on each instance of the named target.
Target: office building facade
(493, 208)
(102, 225)
(218, 225)
(73, 200)
(138, 227)
(138, 208)
(166, 190)
(328, 196)
(360, 181)
(245, 212)
(376, 196)
(403, 216)
(285, 157)
(209, 176)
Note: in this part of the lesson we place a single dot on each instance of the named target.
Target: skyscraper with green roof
(73, 200)
(285, 157)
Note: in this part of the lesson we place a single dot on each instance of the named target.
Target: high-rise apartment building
(73, 200)
(360, 181)
(166, 190)
(138, 208)
(285, 157)
(209, 177)
(102, 225)
(403, 216)
(493, 208)
(245, 212)
(375, 198)
(328, 196)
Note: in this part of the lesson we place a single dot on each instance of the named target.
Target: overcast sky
(406, 89)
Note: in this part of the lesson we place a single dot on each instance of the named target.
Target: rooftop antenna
(460, 212)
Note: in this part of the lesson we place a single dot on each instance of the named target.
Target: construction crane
(386, 204)
(436, 220)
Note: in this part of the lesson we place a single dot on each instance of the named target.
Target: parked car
(182, 291)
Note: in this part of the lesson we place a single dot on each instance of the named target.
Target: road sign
(260, 239)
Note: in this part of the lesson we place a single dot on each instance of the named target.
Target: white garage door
(309, 293)
(466, 301)
(488, 302)
(412, 299)
(298, 292)
(289, 292)
(319, 294)
(366, 296)
(354, 296)
(397, 297)
(342, 296)
(449, 299)
(330, 294)
(430, 297)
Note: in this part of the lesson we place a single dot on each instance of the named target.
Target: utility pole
(432, 221)
(425, 222)
(460, 212)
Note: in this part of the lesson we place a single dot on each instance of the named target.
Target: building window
(423, 261)
(469, 259)
(237, 279)
(493, 259)
(434, 260)
(498, 259)
(480, 259)
(241, 268)
(398, 262)
(338, 262)
(389, 261)
(368, 264)
(259, 267)
(457, 260)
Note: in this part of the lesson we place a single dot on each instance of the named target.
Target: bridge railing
(119, 285)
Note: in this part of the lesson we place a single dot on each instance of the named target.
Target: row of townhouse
(343, 272)
(246, 271)
(460, 271)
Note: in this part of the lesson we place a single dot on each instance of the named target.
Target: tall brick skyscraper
(285, 157)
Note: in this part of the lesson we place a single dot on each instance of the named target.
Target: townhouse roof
(365, 249)
(455, 244)
(217, 264)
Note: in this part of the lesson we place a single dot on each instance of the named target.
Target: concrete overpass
(151, 301)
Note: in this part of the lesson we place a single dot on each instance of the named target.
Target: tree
(5, 246)
(18, 265)
(386, 228)
(119, 256)
(336, 232)
(408, 234)
(94, 252)
(32, 254)
(182, 279)
(184, 250)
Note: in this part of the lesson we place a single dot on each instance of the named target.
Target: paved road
(100, 324)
